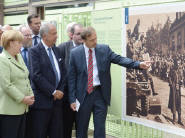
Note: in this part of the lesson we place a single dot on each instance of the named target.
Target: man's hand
(29, 100)
(145, 64)
(58, 95)
(73, 106)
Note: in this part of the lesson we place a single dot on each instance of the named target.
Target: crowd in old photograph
(168, 64)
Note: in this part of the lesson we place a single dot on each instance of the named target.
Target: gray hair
(20, 27)
(44, 29)
(74, 26)
(69, 26)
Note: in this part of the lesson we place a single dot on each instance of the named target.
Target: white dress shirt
(96, 80)
(74, 45)
(54, 58)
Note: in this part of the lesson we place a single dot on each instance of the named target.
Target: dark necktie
(35, 40)
(90, 73)
(53, 65)
(24, 55)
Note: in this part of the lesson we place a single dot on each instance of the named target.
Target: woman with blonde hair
(15, 90)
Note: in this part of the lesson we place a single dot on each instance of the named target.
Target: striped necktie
(90, 73)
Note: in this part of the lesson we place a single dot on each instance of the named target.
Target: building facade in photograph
(177, 34)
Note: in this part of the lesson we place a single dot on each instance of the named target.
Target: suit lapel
(71, 46)
(98, 55)
(17, 63)
(57, 56)
(83, 59)
(45, 55)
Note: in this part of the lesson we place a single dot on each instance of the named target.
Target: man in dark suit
(90, 81)
(48, 81)
(34, 23)
(65, 48)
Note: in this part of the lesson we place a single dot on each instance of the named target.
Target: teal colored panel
(18, 19)
(77, 10)
(14, 2)
(53, 12)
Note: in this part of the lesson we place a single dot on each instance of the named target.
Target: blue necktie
(35, 40)
(53, 65)
(24, 54)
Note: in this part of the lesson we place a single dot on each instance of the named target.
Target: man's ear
(44, 36)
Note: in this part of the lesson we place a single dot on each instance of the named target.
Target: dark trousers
(69, 117)
(29, 128)
(12, 126)
(47, 122)
(95, 103)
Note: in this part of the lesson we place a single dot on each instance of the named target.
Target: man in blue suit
(90, 81)
(47, 73)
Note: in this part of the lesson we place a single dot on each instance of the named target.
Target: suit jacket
(43, 79)
(1, 49)
(78, 77)
(65, 49)
(14, 84)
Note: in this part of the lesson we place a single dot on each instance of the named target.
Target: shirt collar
(36, 35)
(74, 43)
(22, 48)
(45, 46)
(87, 49)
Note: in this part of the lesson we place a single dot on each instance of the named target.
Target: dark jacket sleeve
(63, 82)
(61, 48)
(72, 79)
(122, 61)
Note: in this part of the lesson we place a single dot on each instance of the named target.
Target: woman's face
(16, 46)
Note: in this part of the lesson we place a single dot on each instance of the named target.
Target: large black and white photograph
(157, 94)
